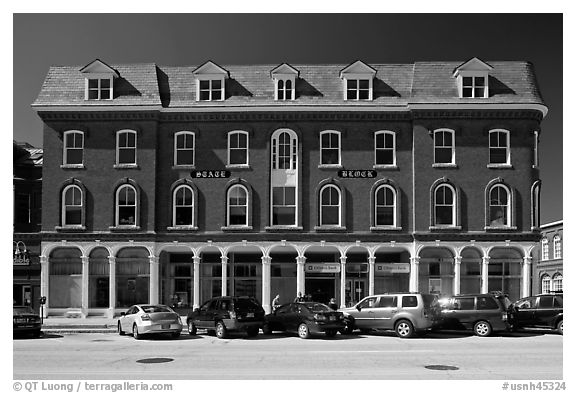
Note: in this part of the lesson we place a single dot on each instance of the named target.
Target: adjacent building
(176, 184)
(548, 271)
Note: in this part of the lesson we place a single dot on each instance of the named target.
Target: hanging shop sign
(391, 268)
(21, 260)
(322, 268)
(210, 174)
(357, 173)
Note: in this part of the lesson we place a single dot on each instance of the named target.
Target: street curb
(73, 330)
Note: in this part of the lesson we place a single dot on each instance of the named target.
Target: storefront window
(65, 280)
(283, 277)
(132, 277)
(505, 277)
(99, 281)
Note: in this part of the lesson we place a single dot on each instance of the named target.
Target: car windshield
(246, 304)
(318, 307)
(505, 301)
(23, 310)
(153, 309)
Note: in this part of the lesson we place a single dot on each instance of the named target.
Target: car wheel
(175, 334)
(349, 328)
(560, 327)
(120, 331)
(331, 332)
(482, 329)
(135, 333)
(303, 331)
(404, 329)
(191, 328)
(253, 332)
(220, 330)
(266, 329)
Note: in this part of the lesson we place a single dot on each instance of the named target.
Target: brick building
(176, 184)
(549, 266)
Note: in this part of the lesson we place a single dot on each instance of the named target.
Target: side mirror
(358, 307)
(122, 313)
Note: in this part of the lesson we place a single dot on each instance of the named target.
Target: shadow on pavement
(28, 336)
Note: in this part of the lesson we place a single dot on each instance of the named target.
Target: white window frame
(557, 282)
(98, 89)
(65, 206)
(74, 134)
(185, 135)
(117, 206)
(508, 206)
(210, 89)
(293, 153)
(452, 147)
(546, 283)
(382, 188)
(118, 148)
(245, 206)
(557, 247)
(175, 205)
(545, 249)
(339, 148)
(473, 86)
(357, 89)
(247, 149)
(490, 147)
(435, 205)
(376, 148)
(295, 206)
(284, 89)
(322, 206)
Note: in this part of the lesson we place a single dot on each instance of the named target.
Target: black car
(305, 318)
(227, 314)
(542, 312)
(26, 320)
(483, 313)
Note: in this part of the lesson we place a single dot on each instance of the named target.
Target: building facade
(548, 271)
(27, 189)
(176, 184)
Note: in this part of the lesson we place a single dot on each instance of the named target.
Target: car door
(200, 319)
(461, 313)
(384, 311)
(364, 312)
(293, 317)
(524, 312)
(545, 313)
(277, 319)
(128, 319)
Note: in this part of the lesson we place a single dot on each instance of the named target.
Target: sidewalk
(79, 325)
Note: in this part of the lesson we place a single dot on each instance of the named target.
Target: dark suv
(227, 314)
(541, 311)
(483, 313)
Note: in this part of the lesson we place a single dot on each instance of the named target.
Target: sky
(42, 40)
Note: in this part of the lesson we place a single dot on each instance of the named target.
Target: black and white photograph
(250, 201)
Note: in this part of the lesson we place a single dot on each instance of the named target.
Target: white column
(196, 282)
(485, 262)
(414, 272)
(266, 262)
(85, 283)
(44, 281)
(371, 270)
(112, 287)
(154, 284)
(343, 282)
(300, 275)
(526, 276)
(224, 275)
(456, 283)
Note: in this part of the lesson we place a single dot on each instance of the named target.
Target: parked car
(542, 311)
(26, 320)
(305, 318)
(144, 319)
(405, 313)
(483, 313)
(227, 314)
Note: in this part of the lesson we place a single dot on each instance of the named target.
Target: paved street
(534, 356)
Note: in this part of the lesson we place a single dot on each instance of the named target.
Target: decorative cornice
(476, 114)
(82, 115)
(284, 116)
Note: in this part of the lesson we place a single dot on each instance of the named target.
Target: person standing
(276, 303)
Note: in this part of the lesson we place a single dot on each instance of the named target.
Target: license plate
(165, 326)
(250, 315)
(332, 318)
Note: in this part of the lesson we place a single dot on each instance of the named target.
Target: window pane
(467, 92)
(105, 94)
(443, 155)
(330, 156)
(277, 196)
(204, 85)
(127, 156)
(364, 83)
(74, 156)
(105, 83)
(216, 95)
(330, 215)
(467, 81)
(126, 215)
(290, 195)
(352, 84)
(238, 156)
(237, 215)
(384, 215)
(93, 94)
(216, 84)
(284, 216)
(479, 81)
(73, 216)
(185, 157)
(130, 139)
(498, 155)
(363, 94)
(384, 157)
(204, 95)
(444, 215)
(184, 215)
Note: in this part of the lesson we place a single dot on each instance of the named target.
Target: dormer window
(210, 82)
(472, 78)
(358, 80)
(99, 81)
(284, 77)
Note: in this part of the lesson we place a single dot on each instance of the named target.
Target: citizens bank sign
(323, 268)
(383, 269)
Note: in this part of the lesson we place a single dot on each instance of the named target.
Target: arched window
(73, 148)
(499, 206)
(284, 178)
(72, 206)
(444, 206)
(546, 284)
(385, 206)
(385, 148)
(545, 249)
(444, 152)
(126, 147)
(557, 285)
(284, 150)
(237, 212)
(184, 144)
(330, 148)
(557, 247)
(126, 206)
(330, 206)
(499, 146)
(183, 207)
(238, 148)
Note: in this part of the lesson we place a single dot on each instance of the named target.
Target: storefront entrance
(321, 289)
(356, 290)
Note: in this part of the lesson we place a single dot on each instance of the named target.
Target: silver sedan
(141, 319)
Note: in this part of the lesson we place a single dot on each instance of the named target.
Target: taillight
(320, 317)
(145, 317)
(504, 316)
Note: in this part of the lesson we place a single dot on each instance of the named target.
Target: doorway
(355, 291)
(321, 289)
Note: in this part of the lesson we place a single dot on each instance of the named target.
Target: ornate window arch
(73, 205)
(384, 205)
(183, 206)
(557, 246)
(445, 205)
(126, 205)
(330, 206)
(499, 205)
(237, 206)
(545, 249)
(557, 282)
(546, 283)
